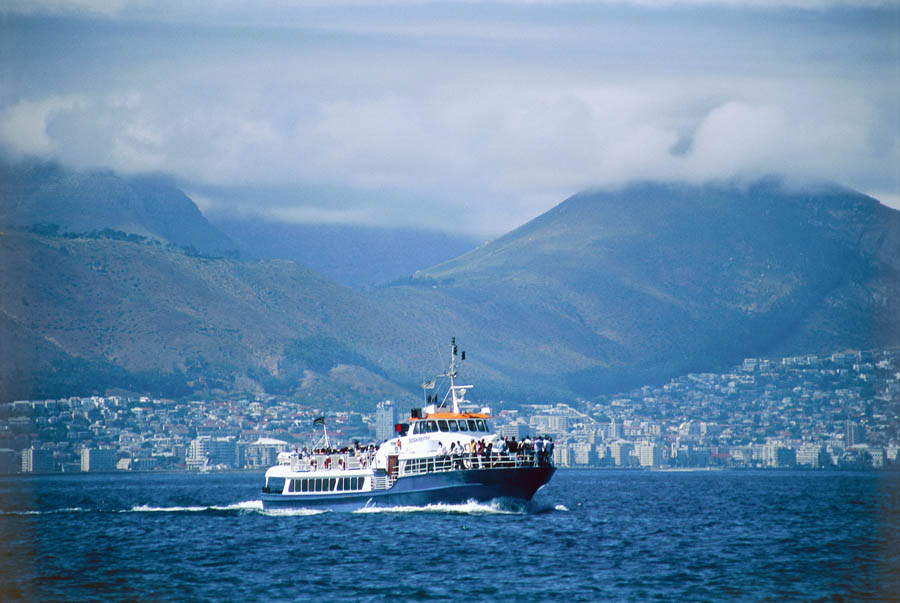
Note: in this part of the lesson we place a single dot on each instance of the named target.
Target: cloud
(355, 118)
(201, 12)
(56, 7)
(23, 126)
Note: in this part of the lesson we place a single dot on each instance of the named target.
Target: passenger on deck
(538, 450)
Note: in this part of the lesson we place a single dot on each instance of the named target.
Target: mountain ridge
(607, 290)
(42, 194)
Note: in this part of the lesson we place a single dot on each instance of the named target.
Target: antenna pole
(452, 374)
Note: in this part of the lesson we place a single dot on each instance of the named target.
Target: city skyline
(841, 410)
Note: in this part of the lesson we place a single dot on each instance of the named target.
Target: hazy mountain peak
(40, 193)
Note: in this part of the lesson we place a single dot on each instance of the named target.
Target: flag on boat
(428, 384)
(319, 421)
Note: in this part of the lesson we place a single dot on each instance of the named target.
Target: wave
(294, 512)
(467, 508)
(149, 509)
(47, 512)
(247, 505)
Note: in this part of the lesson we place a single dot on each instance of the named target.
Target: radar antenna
(457, 393)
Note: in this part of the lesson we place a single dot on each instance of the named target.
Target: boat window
(473, 426)
(331, 484)
(304, 485)
(276, 485)
(432, 426)
(318, 484)
(340, 484)
(462, 425)
(442, 425)
(481, 425)
(417, 428)
(453, 425)
(487, 426)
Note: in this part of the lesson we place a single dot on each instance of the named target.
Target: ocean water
(588, 535)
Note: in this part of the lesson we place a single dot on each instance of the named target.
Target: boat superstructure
(444, 454)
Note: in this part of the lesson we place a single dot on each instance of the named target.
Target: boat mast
(457, 392)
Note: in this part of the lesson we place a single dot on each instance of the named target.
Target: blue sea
(588, 535)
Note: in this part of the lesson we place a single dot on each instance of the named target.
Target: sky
(470, 117)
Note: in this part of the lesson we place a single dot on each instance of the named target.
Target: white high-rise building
(36, 460)
(650, 454)
(621, 452)
(98, 459)
(811, 455)
(562, 455)
(385, 419)
(206, 451)
(584, 453)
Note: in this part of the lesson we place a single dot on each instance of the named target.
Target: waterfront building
(98, 459)
(562, 455)
(144, 463)
(583, 453)
(621, 452)
(741, 455)
(35, 460)
(778, 456)
(263, 453)
(649, 454)
(616, 430)
(812, 455)
(385, 420)
(206, 451)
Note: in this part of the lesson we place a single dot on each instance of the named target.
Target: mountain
(608, 290)
(47, 196)
(611, 289)
(356, 256)
(82, 314)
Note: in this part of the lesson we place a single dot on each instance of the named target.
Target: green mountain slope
(139, 311)
(605, 291)
(611, 289)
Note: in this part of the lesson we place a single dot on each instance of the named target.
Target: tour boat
(442, 455)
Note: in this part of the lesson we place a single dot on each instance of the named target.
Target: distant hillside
(617, 288)
(608, 290)
(47, 195)
(355, 256)
(84, 314)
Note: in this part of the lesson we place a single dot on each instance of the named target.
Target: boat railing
(420, 465)
(330, 462)
(469, 461)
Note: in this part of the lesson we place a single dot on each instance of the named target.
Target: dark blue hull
(450, 487)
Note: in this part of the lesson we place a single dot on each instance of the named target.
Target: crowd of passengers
(478, 453)
(472, 454)
(363, 455)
